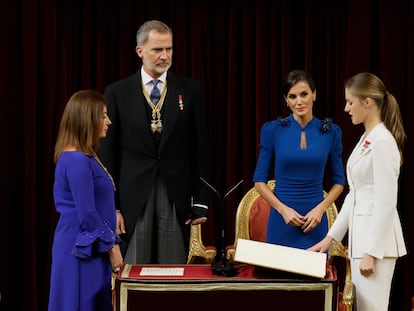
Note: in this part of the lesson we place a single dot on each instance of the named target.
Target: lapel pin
(180, 102)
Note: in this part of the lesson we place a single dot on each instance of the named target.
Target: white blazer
(369, 212)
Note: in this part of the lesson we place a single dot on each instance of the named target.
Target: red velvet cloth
(283, 299)
(190, 272)
(202, 272)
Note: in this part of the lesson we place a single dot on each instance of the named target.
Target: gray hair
(144, 30)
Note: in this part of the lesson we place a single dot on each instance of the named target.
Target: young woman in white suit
(369, 212)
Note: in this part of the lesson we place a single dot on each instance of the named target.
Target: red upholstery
(251, 223)
(259, 215)
(341, 306)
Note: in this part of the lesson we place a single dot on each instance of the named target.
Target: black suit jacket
(132, 157)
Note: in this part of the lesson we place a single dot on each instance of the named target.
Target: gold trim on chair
(243, 230)
(197, 249)
(242, 226)
(337, 249)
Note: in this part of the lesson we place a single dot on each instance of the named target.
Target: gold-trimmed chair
(198, 252)
(251, 224)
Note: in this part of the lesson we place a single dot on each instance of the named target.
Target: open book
(288, 259)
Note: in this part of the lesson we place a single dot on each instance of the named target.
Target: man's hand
(120, 223)
(197, 221)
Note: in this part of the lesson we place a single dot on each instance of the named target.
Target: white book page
(159, 271)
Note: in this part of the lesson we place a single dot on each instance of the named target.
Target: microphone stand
(222, 266)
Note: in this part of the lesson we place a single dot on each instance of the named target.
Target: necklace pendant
(156, 126)
(159, 125)
(153, 126)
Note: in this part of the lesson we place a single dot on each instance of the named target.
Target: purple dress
(81, 270)
(299, 174)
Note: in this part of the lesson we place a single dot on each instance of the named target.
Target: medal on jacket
(156, 122)
(180, 102)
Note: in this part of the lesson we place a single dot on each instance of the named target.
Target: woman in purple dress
(85, 247)
(299, 148)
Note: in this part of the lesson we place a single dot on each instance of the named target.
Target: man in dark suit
(157, 150)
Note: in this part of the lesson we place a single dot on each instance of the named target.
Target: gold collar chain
(156, 122)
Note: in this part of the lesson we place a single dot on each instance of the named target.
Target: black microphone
(222, 266)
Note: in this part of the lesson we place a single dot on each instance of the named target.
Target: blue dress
(299, 174)
(81, 271)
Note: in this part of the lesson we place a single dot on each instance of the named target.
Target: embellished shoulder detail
(283, 121)
(326, 125)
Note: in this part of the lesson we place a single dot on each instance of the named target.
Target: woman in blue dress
(299, 148)
(85, 247)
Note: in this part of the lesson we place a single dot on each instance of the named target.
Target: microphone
(222, 266)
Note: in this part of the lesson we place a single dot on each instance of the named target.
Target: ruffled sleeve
(93, 198)
(101, 240)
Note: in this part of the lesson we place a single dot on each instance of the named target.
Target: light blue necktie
(155, 92)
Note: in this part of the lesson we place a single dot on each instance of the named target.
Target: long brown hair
(364, 85)
(81, 123)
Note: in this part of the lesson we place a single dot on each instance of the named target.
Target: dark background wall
(239, 50)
